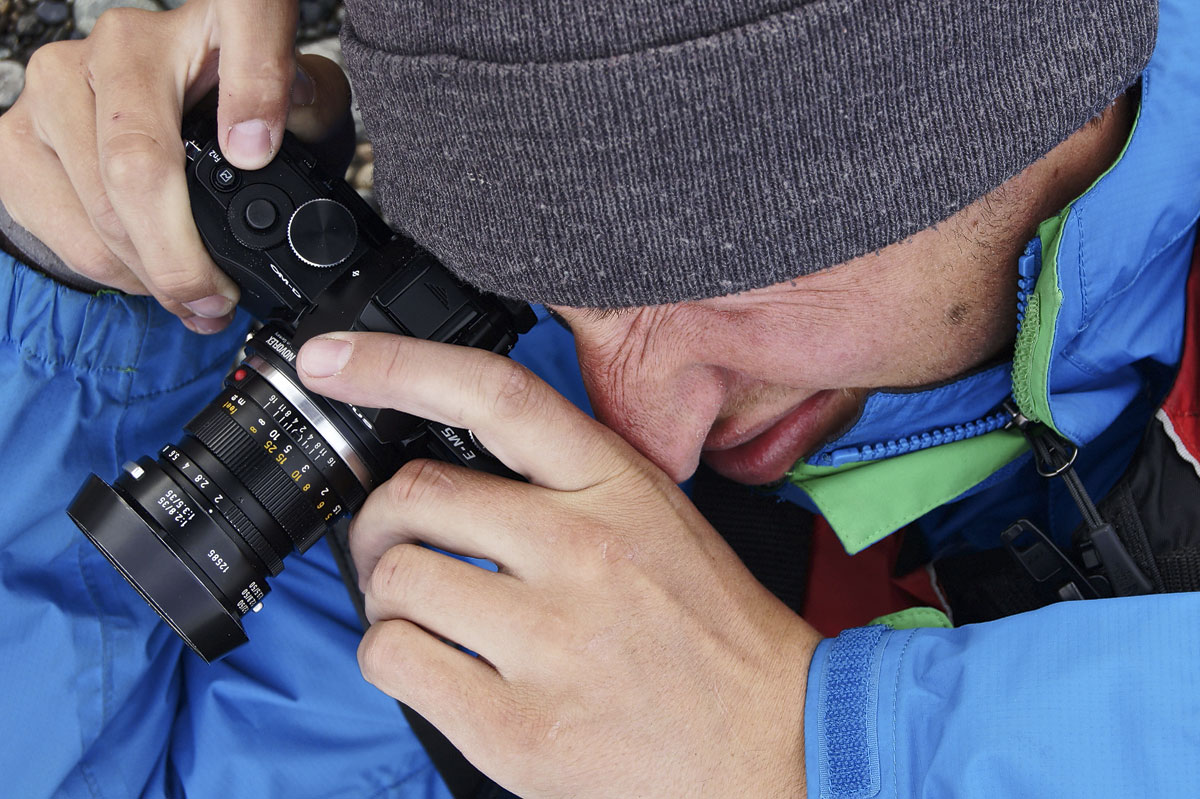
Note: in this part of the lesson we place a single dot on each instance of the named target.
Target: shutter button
(261, 214)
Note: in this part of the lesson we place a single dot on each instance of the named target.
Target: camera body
(267, 467)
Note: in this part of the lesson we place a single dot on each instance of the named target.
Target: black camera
(267, 467)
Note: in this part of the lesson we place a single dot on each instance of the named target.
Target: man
(824, 289)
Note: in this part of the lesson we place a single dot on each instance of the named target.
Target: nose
(654, 391)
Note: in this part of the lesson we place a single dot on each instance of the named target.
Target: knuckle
(44, 64)
(180, 284)
(394, 574)
(515, 395)
(379, 651)
(53, 63)
(118, 22)
(394, 370)
(420, 481)
(267, 79)
(132, 161)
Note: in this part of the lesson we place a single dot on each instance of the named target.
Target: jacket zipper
(914, 443)
(1028, 267)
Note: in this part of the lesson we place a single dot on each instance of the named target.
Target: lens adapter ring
(292, 393)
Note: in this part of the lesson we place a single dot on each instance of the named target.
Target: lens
(263, 470)
(267, 467)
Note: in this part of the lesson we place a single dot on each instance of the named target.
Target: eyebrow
(588, 313)
(599, 314)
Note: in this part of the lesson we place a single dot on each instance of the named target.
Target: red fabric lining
(1182, 405)
(845, 591)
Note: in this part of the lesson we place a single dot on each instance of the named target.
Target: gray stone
(88, 11)
(53, 12)
(331, 48)
(12, 80)
(27, 24)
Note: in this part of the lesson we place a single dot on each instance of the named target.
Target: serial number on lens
(218, 560)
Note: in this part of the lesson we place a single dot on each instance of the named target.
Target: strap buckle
(1049, 566)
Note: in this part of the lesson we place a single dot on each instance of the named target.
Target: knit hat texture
(625, 152)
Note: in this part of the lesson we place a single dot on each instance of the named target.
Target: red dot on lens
(239, 375)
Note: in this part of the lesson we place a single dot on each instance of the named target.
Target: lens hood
(159, 572)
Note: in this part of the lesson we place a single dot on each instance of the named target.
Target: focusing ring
(242, 455)
(182, 596)
(339, 475)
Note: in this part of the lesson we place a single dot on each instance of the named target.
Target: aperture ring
(228, 508)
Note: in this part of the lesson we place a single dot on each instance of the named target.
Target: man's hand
(91, 160)
(623, 648)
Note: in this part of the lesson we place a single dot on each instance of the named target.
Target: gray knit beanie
(625, 152)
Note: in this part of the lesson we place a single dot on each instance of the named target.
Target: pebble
(12, 80)
(52, 12)
(27, 24)
(88, 11)
(331, 48)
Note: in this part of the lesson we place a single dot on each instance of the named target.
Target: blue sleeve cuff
(1097, 698)
(848, 723)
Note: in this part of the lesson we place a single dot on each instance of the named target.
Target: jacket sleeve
(100, 698)
(1097, 699)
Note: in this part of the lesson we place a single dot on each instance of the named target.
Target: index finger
(141, 164)
(525, 423)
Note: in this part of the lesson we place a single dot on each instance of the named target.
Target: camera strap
(463, 779)
(771, 536)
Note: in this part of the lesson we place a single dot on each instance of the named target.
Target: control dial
(322, 233)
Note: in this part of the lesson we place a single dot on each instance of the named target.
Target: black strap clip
(1048, 565)
(1112, 571)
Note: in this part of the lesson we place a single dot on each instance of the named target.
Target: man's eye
(557, 317)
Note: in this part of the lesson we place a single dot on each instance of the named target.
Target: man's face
(751, 382)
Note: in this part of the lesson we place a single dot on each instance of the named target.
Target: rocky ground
(26, 25)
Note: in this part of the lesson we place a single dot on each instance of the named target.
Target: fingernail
(324, 357)
(205, 327)
(249, 142)
(304, 91)
(212, 307)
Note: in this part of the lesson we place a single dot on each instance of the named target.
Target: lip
(763, 454)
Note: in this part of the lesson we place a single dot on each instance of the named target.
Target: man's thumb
(322, 119)
(256, 75)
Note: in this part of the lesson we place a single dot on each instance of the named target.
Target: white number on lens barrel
(218, 560)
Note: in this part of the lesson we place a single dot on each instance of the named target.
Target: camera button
(261, 214)
(322, 233)
(225, 177)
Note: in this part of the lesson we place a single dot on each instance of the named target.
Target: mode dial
(322, 233)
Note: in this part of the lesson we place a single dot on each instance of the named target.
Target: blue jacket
(1098, 698)
(1081, 699)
